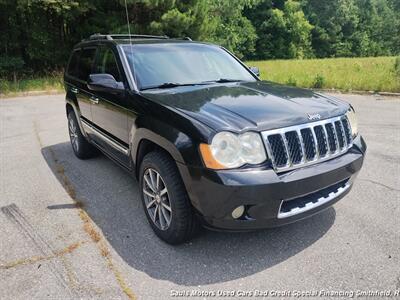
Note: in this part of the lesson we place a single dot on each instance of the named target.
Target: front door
(109, 113)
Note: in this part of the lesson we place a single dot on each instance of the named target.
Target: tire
(82, 148)
(167, 191)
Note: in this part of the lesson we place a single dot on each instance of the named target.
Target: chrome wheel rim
(156, 199)
(73, 134)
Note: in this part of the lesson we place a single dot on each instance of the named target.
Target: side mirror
(104, 83)
(255, 70)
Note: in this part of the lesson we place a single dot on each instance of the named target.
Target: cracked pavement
(75, 229)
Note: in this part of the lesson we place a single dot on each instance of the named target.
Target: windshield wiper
(168, 85)
(223, 80)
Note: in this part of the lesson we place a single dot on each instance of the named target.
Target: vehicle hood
(248, 105)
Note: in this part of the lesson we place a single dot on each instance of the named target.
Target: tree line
(37, 35)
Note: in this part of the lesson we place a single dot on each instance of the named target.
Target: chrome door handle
(74, 90)
(94, 100)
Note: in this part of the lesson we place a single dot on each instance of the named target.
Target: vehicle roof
(134, 40)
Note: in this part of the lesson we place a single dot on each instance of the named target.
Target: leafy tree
(353, 27)
(379, 26)
(284, 31)
(335, 23)
(183, 18)
(37, 35)
(232, 29)
(11, 66)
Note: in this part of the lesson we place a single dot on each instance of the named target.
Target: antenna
(127, 22)
(130, 40)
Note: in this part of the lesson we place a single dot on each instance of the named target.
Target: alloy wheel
(157, 199)
(73, 134)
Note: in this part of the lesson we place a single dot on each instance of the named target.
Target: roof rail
(111, 37)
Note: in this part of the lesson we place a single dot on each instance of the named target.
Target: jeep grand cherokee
(209, 142)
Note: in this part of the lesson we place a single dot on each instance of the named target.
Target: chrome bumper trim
(312, 205)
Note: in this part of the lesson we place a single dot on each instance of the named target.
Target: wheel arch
(145, 141)
(72, 106)
(146, 146)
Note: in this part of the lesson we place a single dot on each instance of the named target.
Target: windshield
(161, 64)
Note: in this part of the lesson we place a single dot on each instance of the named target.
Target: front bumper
(269, 197)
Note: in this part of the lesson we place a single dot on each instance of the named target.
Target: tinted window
(86, 63)
(107, 64)
(155, 64)
(73, 64)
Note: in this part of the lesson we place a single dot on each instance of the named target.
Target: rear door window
(72, 69)
(85, 63)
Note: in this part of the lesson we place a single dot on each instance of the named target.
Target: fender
(167, 143)
(172, 130)
(74, 104)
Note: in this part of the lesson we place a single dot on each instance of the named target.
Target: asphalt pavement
(74, 229)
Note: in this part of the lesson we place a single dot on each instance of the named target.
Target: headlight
(351, 116)
(228, 150)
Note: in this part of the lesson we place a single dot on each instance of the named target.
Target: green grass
(347, 74)
(376, 74)
(47, 83)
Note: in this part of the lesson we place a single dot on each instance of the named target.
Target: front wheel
(165, 200)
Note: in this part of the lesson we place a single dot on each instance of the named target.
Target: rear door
(84, 96)
(79, 67)
(109, 112)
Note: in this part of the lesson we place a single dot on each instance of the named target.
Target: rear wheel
(82, 148)
(165, 200)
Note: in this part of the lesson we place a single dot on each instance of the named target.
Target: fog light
(238, 212)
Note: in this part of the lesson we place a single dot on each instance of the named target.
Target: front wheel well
(146, 146)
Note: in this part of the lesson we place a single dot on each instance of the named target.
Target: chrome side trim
(317, 158)
(102, 136)
(312, 205)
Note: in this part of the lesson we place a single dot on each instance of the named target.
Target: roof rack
(111, 37)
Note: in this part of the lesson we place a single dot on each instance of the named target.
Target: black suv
(209, 143)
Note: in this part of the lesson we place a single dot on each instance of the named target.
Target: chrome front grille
(277, 145)
(300, 145)
(294, 146)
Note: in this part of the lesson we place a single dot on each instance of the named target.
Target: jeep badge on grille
(314, 117)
